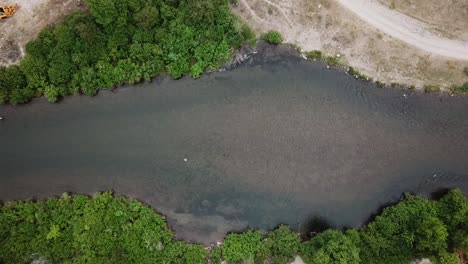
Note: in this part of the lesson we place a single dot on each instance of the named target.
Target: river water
(277, 140)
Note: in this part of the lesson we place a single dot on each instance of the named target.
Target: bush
(404, 231)
(248, 35)
(465, 71)
(431, 89)
(282, 245)
(332, 246)
(241, 247)
(315, 54)
(461, 89)
(273, 37)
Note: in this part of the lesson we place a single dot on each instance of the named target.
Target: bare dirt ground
(326, 25)
(30, 18)
(448, 17)
(407, 29)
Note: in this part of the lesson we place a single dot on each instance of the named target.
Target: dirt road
(406, 28)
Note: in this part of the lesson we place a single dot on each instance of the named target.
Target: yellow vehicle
(7, 11)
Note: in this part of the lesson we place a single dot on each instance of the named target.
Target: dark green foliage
(216, 255)
(107, 229)
(273, 37)
(453, 211)
(461, 89)
(465, 71)
(248, 35)
(13, 85)
(282, 245)
(333, 246)
(242, 247)
(404, 231)
(124, 41)
(101, 229)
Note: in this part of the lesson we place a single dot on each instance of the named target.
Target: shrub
(315, 54)
(465, 71)
(241, 247)
(332, 246)
(461, 89)
(401, 232)
(431, 89)
(282, 245)
(446, 258)
(248, 35)
(273, 37)
(52, 93)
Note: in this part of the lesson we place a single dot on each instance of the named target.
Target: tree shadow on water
(313, 225)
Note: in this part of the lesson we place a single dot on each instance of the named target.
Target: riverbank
(327, 26)
(333, 29)
(102, 228)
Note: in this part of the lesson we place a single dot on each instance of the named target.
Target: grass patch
(461, 89)
(315, 55)
(358, 74)
(431, 88)
(273, 37)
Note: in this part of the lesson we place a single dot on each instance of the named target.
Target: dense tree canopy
(123, 41)
(107, 229)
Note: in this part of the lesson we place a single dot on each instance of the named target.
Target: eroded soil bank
(277, 140)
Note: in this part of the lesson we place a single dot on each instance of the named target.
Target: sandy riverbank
(327, 25)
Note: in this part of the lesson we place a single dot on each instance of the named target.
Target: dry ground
(449, 17)
(327, 26)
(31, 17)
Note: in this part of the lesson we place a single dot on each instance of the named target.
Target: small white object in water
(1, 118)
(304, 56)
(185, 159)
(405, 96)
(328, 66)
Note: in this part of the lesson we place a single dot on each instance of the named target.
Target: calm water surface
(277, 140)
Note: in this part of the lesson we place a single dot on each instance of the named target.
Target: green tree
(147, 17)
(52, 93)
(430, 237)
(332, 246)
(11, 79)
(282, 245)
(453, 209)
(243, 246)
(105, 12)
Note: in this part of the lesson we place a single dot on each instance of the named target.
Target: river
(276, 140)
